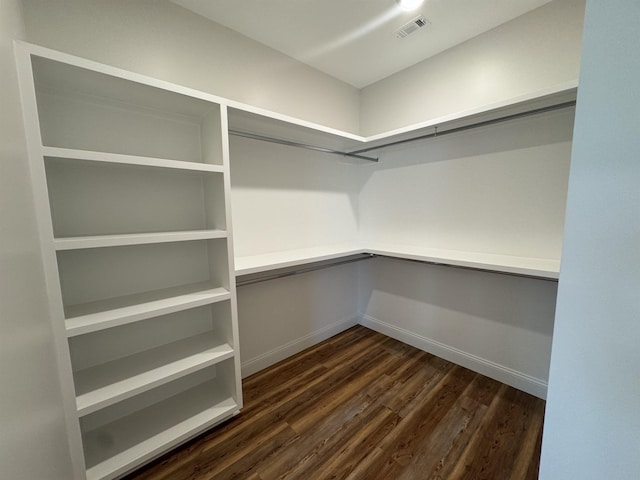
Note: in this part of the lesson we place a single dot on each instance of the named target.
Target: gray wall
(524, 57)
(33, 441)
(163, 40)
(279, 318)
(592, 426)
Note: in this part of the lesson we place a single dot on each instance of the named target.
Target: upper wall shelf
(290, 130)
(526, 106)
(193, 104)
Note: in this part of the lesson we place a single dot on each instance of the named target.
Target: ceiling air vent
(413, 26)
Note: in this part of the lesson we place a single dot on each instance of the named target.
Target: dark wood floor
(363, 406)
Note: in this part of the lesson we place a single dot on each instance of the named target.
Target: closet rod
(462, 267)
(289, 143)
(436, 133)
(289, 273)
(368, 256)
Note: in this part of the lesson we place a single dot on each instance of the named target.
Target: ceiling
(354, 40)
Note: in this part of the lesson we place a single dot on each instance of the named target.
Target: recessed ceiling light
(409, 4)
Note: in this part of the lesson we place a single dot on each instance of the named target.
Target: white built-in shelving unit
(131, 180)
(268, 125)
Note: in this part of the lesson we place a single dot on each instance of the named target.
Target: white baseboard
(271, 357)
(519, 380)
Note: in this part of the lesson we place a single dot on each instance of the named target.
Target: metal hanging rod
(288, 272)
(436, 133)
(263, 138)
(257, 278)
(441, 133)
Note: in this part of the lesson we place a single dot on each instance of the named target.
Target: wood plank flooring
(362, 406)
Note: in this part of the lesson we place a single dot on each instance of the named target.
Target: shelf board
(143, 435)
(95, 316)
(526, 266)
(272, 261)
(103, 385)
(56, 153)
(68, 73)
(269, 124)
(99, 241)
(264, 123)
(556, 95)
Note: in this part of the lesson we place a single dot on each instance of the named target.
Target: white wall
(592, 425)
(286, 198)
(498, 325)
(32, 437)
(534, 52)
(281, 317)
(160, 39)
(499, 189)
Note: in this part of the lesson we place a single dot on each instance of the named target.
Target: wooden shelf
(103, 385)
(95, 316)
(56, 153)
(248, 119)
(143, 435)
(81, 75)
(556, 95)
(99, 241)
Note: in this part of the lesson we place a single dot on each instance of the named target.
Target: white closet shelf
(64, 73)
(103, 385)
(95, 316)
(527, 266)
(99, 241)
(54, 153)
(143, 435)
(274, 260)
(248, 119)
